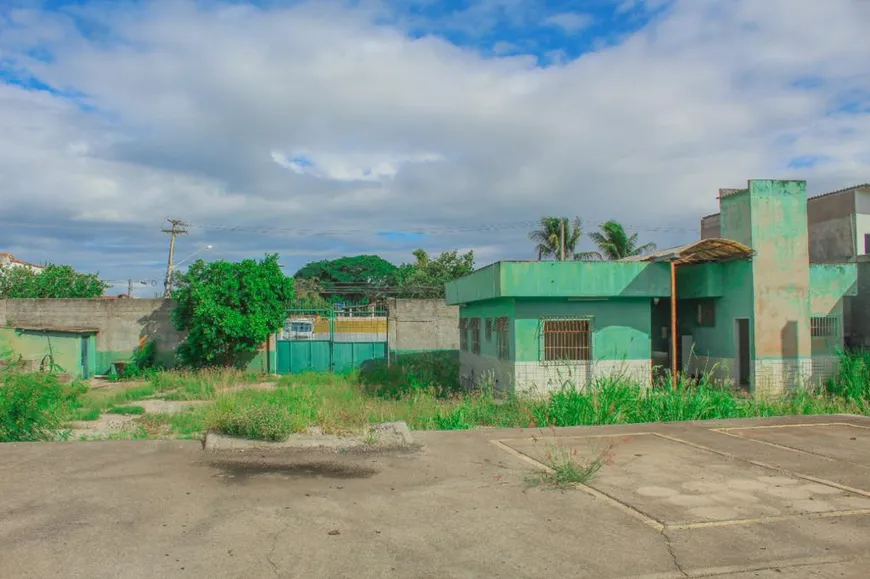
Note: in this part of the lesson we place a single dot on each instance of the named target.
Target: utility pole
(562, 239)
(130, 288)
(178, 227)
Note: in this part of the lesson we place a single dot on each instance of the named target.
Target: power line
(300, 232)
(425, 231)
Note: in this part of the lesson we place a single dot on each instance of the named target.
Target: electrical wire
(300, 232)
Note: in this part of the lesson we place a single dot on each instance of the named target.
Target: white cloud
(200, 111)
(570, 22)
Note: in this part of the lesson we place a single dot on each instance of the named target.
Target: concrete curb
(379, 436)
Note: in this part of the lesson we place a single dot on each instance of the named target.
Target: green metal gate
(332, 338)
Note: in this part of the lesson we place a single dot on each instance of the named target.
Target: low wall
(422, 326)
(118, 326)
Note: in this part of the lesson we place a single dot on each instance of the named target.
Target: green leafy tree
(614, 243)
(53, 281)
(548, 239)
(228, 309)
(425, 278)
(358, 277)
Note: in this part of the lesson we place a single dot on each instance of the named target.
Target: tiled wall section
(536, 379)
(774, 376)
(476, 370)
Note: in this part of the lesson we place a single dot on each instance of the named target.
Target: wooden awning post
(673, 324)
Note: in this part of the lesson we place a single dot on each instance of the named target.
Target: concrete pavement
(738, 499)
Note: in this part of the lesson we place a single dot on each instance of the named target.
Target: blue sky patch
(401, 236)
(807, 161)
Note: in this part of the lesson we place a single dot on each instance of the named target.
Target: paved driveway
(739, 499)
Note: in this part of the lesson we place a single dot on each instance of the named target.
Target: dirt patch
(154, 406)
(239, 468)
(105, 425)
(256, 386)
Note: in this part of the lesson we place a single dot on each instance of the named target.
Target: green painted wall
(490, 309)
(719, 340)
(735, 220)
(700, 281)
(621, 327)
(482, 284)
(65, 348)
(562, 279)
(585, 279)
(828, 285)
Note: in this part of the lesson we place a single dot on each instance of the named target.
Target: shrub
(143, 363)
(229, 309)
(32, 406)
(436, 372)
(251, 417)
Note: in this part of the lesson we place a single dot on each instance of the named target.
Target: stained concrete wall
(422, 325)
(711, 227)
(856, 309)
(831, 227)
(121, 325)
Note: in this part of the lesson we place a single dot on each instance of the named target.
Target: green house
(749, 308)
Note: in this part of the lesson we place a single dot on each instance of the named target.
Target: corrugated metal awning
(704, 251)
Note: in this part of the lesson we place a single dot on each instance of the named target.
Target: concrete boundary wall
(422, 325)
(119, 326)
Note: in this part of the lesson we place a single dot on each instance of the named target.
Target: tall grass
(852, 380)
(347, 403)
(34, 406)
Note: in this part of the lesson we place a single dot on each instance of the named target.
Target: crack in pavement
(271, 552)
(671, 551)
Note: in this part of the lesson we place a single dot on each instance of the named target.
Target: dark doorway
(85, 340)
(742, 352)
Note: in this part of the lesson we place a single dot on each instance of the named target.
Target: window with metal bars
(489, 329)
(566, 339)
(502, 337)
(824, 327)
(475, 335)
(463, 334)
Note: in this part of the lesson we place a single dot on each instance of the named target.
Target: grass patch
(200, 385)
(87, 414)
(126, 410)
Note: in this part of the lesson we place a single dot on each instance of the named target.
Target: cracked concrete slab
(676, 483)
(457, 507)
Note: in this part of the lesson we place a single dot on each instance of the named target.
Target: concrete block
(379, 436)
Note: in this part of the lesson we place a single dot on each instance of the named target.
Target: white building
(8, 260)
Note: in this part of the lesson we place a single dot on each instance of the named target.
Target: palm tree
(548, 238)
(614, 243)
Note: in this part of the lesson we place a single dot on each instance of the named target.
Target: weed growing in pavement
(565, 468)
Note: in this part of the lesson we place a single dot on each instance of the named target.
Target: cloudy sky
(327, 128)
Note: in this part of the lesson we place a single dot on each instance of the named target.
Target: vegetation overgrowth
(422, 390)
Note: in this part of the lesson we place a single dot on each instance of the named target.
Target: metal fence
(334, 337)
